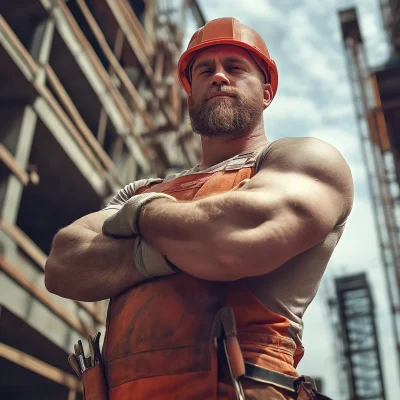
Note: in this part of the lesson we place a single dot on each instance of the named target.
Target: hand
(125, 223)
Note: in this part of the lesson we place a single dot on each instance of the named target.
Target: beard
(220, 117)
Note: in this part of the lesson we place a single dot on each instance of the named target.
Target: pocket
(94, 383)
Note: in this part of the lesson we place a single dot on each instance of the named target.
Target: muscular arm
(85, 265)
(301, 193)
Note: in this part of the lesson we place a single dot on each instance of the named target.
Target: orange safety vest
(160, 335)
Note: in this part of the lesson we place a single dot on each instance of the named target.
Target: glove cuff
(149, 261)
(138, 202)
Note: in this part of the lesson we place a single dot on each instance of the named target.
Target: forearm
(203, 238)
(84, 265)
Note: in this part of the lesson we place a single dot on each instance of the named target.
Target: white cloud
(255, 8)
(369, 26)
(294, 108)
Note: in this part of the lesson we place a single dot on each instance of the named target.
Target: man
(215, 265)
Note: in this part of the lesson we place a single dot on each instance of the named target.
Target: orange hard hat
(228, 31)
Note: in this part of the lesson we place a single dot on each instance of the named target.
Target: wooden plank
(7, 158)
(136, 98)
(76, 117)
(40, 367)
(12, 37)
(44, 297)
(138, 30)
(116, 95)
(37, 255)
(126, 22)
(45, 93)
(61, 114)
(123, 14)
(23, 241)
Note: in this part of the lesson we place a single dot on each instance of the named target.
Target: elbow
(50, 276)
(56, 271)
(55, 279)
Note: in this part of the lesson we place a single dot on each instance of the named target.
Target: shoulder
(305, 155)
(313, 158)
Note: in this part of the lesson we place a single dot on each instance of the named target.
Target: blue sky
(314, 99)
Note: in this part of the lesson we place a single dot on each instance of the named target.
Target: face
(229, 93)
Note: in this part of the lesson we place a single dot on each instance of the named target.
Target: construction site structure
(89, 101)
(377, 101)
(360, 347)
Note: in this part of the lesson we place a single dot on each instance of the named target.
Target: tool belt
(90, 369)
(233, 368)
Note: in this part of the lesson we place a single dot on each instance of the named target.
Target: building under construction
(90, 101)
(376, 94)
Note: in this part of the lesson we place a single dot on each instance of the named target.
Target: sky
(314, 99)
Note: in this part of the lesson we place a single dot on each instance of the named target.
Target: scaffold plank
(76, 117)
(40, 367)
(10, 162)
(137, 100)
(44, 297)
(39, 257)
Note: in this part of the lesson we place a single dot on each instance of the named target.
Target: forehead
(223, 51)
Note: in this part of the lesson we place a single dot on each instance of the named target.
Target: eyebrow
(206, 63)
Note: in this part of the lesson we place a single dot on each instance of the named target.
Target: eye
(205, 71)
(233, 66)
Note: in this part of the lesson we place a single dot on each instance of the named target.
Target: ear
(267, 95)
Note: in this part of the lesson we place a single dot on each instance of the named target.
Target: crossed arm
(279, 213)
(292, 204)
(86, 265)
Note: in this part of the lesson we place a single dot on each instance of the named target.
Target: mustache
(230, 92)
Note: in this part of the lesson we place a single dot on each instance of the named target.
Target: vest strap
(287, 382)
(241, 160)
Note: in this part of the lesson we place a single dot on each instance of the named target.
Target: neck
(216, 150)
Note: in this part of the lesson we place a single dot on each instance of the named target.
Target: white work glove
(149, 261)
(126, 221)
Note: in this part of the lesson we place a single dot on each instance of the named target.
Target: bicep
(300, 204)
(300, 210)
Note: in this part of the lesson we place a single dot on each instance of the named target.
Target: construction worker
(210, 270)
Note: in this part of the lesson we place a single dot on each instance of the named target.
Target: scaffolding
(377, 134)
(360, 341)
(90, 101)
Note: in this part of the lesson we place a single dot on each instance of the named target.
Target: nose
(220, 78)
